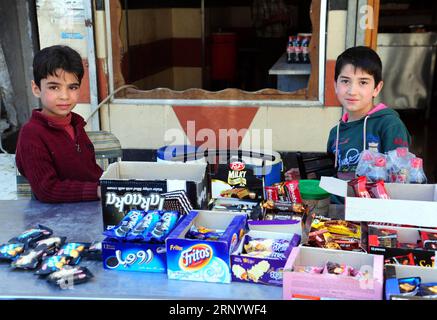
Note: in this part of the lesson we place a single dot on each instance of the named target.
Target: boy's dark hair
(360, 57)
(49, 59)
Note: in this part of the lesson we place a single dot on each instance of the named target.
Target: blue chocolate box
(204, 260)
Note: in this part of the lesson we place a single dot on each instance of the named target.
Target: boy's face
(355, 90)
(59, 94)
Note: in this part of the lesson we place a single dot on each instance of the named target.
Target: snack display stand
(83, 222)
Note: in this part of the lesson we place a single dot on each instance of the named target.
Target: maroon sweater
(59, 168)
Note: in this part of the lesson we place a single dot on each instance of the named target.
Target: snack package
(377, 190)
(265, 255)
(73, 250)
(406, 260)
(145, 226)
(164, 226)
(428, 290)
(69, 276)
(50, 245)
(378, 169)
(10, 251)
(202, 233)
(126, 224)
(399, 165)
(94, 252)
(29, 260)
(308, 269)
(337, 269)
(53, 263)
(429, 240)
(32, 235)
(359, 187)
(416, 175)
(271, 193)
(387, 238)
(409, 286)
(293, 192)
(367, 157)
(271, 245)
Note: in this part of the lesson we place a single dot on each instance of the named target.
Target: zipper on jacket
(78, 147)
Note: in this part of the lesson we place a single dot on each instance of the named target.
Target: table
(83, 222)
(291, 76)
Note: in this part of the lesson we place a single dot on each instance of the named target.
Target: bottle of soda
(305, 58)
(290, 50)
(297, 49)
(416, 171)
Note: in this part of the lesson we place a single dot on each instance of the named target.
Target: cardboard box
(395, 272)
(410, 204)
(245, 169)
(423, 258)
(328, 286)
(264, 270)
(204, 260)
(133, 256)
(127, 185)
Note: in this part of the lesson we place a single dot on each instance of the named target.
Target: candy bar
(428, 290)
(69, 276)
(29, 236)
(407, 259)
(377, 190)
(125, 225)
(145, 226)
(409, 286)
(10, 250)
(359, 187)
(292, 190)
(429, 240)
(202, 233)
(164, 226)
(272, 245)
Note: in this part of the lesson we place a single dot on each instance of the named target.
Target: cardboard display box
(133, 256)
(329, 286)
(264, 270)
(423, 258)
(245, 169)
(204, 260)
(127, 185)
(409, 204)
(395, 272)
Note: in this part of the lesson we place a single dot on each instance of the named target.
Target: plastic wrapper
(145, 226)
(69, 276)
(30, 236)
(409, 286)
(10, 251)
(126, 224)
(202, 233)
(359, 187)
(164, 226)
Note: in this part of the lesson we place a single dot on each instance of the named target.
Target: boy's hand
(99, 193)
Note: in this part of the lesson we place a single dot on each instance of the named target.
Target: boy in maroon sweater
(53, 150)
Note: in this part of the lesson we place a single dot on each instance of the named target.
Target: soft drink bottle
(290, 50)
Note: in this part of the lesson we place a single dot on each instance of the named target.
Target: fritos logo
(237, 166)
(195, 257)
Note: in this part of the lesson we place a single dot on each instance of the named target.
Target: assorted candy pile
(49, 256)
(333, 268)
(335, 234)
